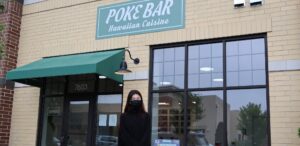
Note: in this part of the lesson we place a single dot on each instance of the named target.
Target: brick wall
(11, 18)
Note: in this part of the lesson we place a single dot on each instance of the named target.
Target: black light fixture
(123, 66)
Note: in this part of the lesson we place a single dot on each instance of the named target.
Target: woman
(134, 122)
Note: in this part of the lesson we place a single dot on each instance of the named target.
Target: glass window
(204, 124)
(258, 46)
(246, 62)
(169, 54)
(168, 117)
(52, 121)
(78, 123)
(247, 117)
(108, 115)
(159, 55)
(168, 68)
(244, 47)
(55, 86)
(205, 118)
(205, 51)
(108, 85)
(232, 48)
(205, 68)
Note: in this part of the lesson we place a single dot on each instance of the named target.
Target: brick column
(11, 18)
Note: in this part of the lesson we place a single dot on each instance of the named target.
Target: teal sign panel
(139, 16)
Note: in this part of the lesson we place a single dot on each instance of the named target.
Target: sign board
(139, 16)
(112, 120)
(102, 119)
(167, 142)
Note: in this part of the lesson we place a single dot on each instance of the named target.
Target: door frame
(65, 120)
(92, 131)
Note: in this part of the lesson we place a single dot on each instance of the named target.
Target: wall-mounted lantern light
(123, 66)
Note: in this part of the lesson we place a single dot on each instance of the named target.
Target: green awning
(103, 63)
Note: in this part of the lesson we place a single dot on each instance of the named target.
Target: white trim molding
(27, 2)
(284, 65)
(138, 75)
(19, 85)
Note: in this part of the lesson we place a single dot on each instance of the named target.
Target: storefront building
(212, 73)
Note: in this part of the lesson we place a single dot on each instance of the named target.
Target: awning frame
(98, 63)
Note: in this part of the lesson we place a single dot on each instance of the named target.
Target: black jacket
(134, 130)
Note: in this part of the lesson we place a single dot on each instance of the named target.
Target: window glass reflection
(55, 86)
(108, 85)
(217, 80)
(52, 121)
(169, 54)
(245, 67)
(245, 78)
(233, 78)
(179, 81)
(195, 69)
(217, 50)
(205, 118)
(179, 67)
(108, 115)
(205, 80)
(257, 61)
(167, 117)
(158, 67)
(244, 47)
(78, 123)
(193, 80)
(259, 77)
(168, 68)
(245, 62)
(258, 46)
(193, 52)
(207, 66)
(179, 54)
(247, 117)
(232, 63)
(232, 48)
(159, 55)
(205, 51)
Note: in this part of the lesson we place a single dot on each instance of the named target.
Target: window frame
(224, 88)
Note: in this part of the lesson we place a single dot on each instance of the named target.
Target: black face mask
(136, 103)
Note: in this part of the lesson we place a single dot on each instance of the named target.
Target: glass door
(73, 115)
(76, 123)
(109, 109)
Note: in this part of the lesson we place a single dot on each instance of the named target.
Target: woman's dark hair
(129, 107)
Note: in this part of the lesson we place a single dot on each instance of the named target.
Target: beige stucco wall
(56, 27)
(285, 108)
(24, 121)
